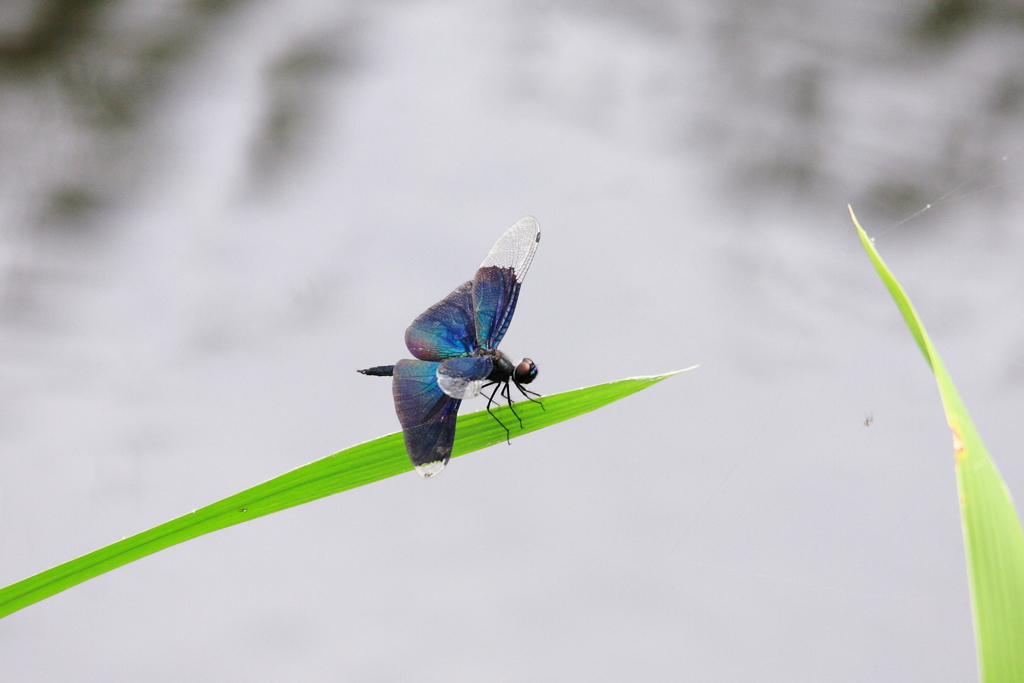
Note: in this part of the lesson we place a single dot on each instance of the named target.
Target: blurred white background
(213, 211)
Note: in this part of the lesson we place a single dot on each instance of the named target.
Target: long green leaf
(992, 533)
(352, 467)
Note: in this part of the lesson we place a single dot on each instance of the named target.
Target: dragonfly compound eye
(525, 372)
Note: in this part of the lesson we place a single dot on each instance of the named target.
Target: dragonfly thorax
(504, 371)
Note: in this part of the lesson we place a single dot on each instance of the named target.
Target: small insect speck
(868, 419)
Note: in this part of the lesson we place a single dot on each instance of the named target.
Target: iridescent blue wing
(477, 314)
(427, 415)
(445, 330)
(495, 288)
(495, 292)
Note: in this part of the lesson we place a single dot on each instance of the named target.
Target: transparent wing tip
(528, 222)
(431, 469)
(515, 248)
(527, 228)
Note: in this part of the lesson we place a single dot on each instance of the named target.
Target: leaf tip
(856, 223)
(664, 375)
(868, 242)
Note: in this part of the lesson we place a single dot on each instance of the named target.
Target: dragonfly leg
(529, 394)
(506, 393)
(490, 400)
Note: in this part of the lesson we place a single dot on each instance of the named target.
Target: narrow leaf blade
(993, 539)
(361, 464)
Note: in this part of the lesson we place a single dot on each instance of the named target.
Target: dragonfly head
(525, 372)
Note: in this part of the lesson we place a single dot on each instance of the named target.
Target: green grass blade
(993, 538)
(362, 464)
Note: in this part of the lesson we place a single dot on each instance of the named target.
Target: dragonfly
(455, 344)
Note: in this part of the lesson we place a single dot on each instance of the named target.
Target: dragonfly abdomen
(379, 371)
